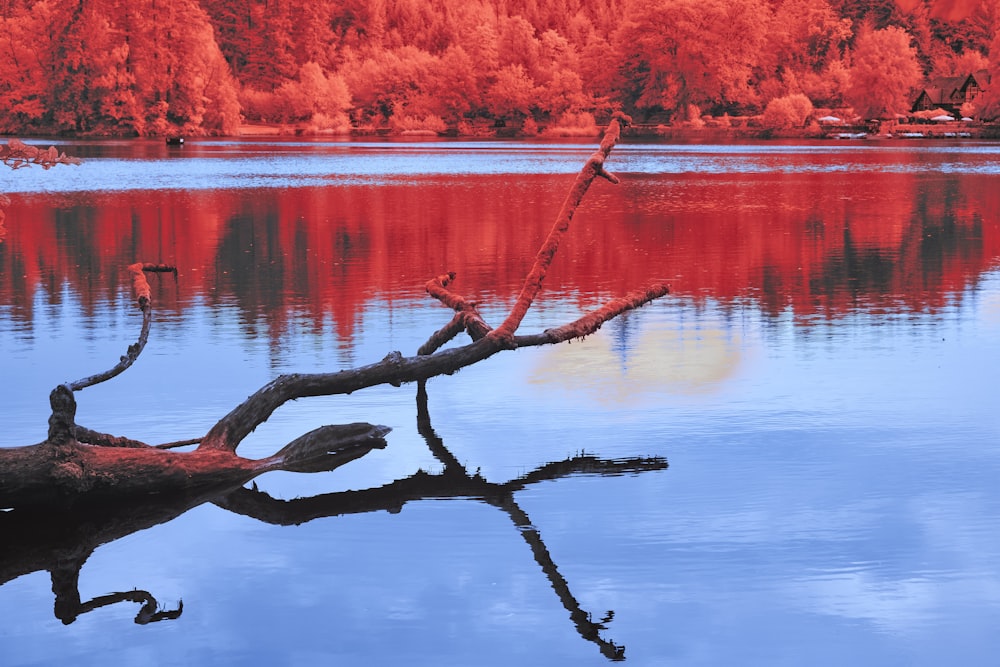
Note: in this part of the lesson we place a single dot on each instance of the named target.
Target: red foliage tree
(682, 52)
(153, 67)
(884, 73)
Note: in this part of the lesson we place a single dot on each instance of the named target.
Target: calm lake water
(790, 460)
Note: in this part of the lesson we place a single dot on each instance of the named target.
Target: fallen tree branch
(395, 369)
(75, 463)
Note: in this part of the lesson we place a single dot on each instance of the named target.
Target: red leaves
(17, 154)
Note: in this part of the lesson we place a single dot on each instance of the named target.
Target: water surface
(821, 381)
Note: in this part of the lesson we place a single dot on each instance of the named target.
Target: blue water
(830, 496)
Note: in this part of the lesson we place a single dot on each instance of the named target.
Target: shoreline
(682, 132)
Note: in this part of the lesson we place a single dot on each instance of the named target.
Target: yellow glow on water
(668, 358)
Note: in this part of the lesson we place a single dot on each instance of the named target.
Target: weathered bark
(396, 369)
(143, 298)
(590, 171)
(78, 465)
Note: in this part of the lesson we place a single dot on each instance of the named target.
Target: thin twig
(142, 295)
(471, 320)
(593, 320)
(178, 443)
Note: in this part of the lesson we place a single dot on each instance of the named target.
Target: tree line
(151, 67)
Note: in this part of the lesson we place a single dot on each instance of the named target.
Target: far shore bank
(705, 132)
(680, 132)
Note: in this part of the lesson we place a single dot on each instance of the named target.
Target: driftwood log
(76, 466)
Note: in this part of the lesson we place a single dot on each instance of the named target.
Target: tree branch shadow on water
(60, 542)
(456, 482)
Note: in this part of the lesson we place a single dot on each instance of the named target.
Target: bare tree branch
(396, 369)
(67, 467)
(471, 319)
(533, 283)
(142, 296)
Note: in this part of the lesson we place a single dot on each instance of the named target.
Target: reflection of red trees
(813, 244)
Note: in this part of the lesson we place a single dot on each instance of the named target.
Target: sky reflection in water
(222, 164)
(821, 381)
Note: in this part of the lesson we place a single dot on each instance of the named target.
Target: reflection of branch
(69, 607)
(581, 619)
(430, 436)
(419, 486)
(453, 482)
(505, 501)
(149, 612)
(61, 540)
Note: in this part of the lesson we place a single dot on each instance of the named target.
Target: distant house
(949, 93)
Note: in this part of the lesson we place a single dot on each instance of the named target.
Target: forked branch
(120, 466)
(533, 283)
(396, 369)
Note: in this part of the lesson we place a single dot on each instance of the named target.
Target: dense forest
(153, 67)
